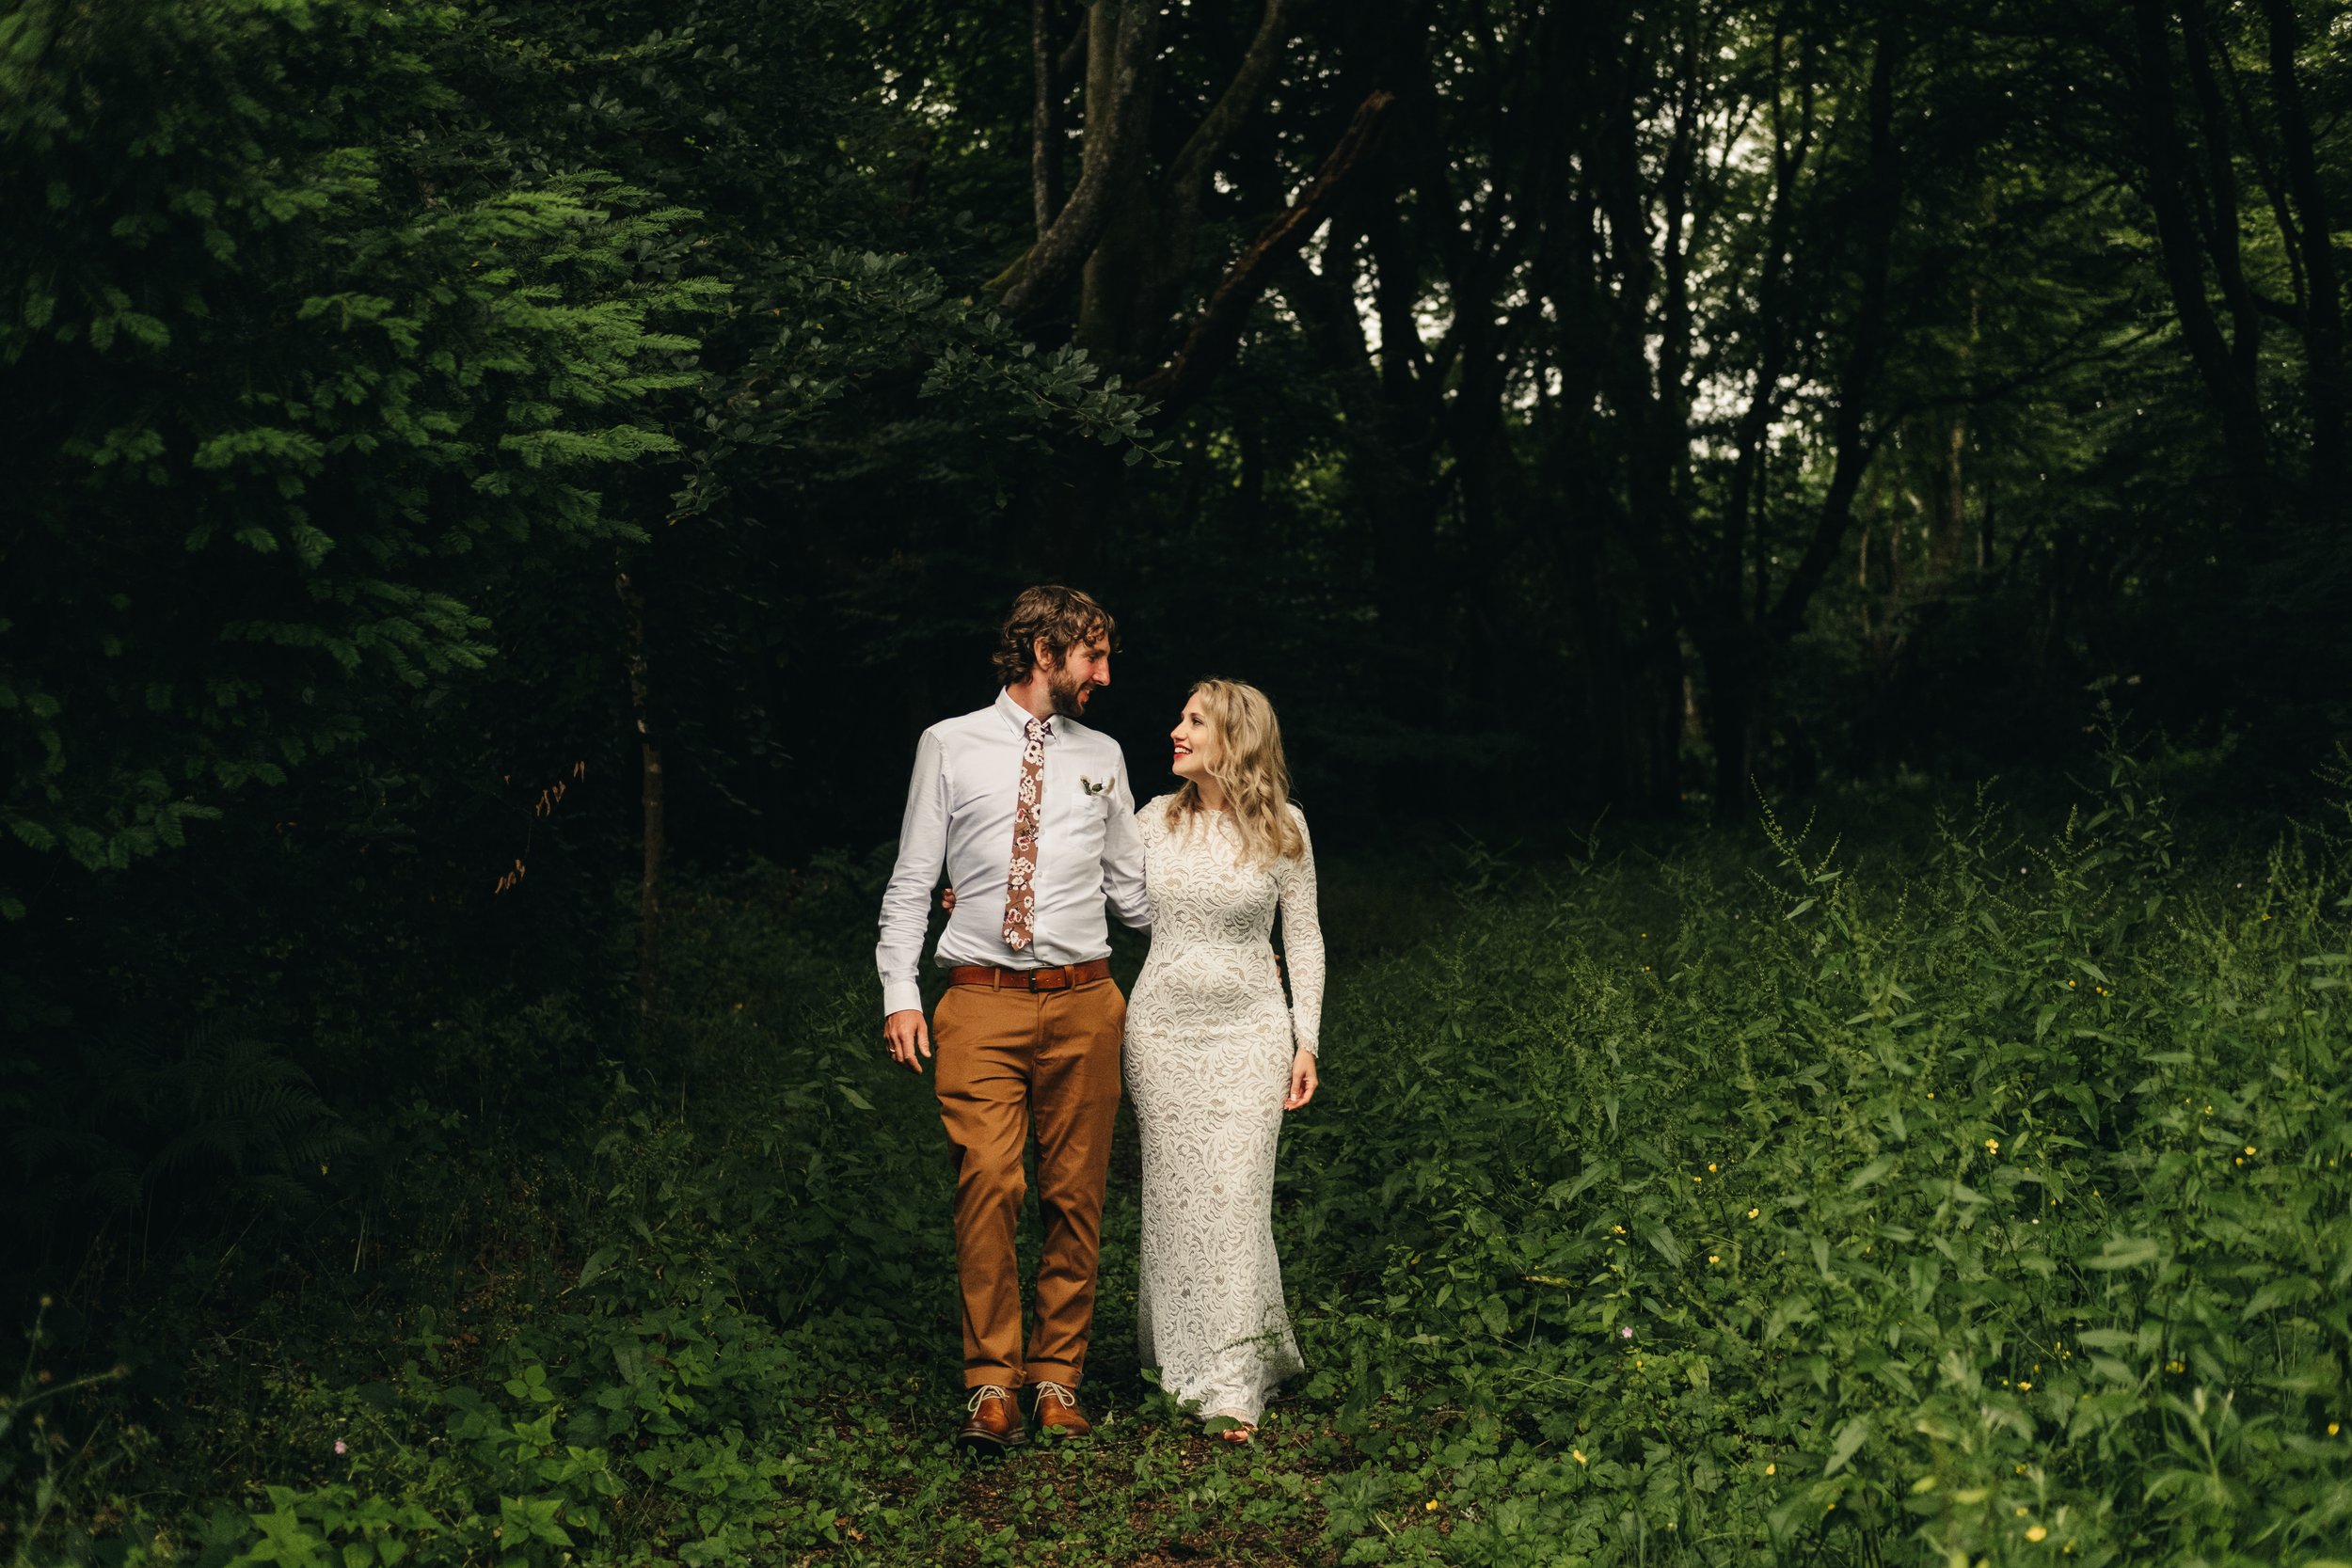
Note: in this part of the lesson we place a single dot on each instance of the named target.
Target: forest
(1803, 550)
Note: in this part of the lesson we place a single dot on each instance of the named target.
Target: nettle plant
(1997, 1206)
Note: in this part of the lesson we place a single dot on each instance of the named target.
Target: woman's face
(1199, 750)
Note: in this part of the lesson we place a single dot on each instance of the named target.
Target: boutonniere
(1092, 788)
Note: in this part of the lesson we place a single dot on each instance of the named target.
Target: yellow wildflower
(2037, 1533)
(1752, 1213)
(1577, 1454)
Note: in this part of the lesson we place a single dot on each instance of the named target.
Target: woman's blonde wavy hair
(1256, 780)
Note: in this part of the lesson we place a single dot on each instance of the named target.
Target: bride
(1214, 1058)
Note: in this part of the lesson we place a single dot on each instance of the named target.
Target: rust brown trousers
(1007, 1059)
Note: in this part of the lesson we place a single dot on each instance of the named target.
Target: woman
(1214, 1058)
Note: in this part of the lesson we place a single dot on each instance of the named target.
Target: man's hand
(906, 1034)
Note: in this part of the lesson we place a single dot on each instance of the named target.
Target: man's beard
(1062, 692)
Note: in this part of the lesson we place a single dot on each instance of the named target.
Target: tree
(299, 393)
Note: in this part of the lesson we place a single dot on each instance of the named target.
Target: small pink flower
(1625, 1334)
(339, 1446)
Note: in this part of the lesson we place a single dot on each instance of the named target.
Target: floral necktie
(1020, 889)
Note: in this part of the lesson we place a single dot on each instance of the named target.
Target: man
(1031, 815)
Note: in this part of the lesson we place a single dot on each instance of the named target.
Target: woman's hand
(947, 900)
(1302, 1079)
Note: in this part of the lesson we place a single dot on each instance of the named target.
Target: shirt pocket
(1087, 802)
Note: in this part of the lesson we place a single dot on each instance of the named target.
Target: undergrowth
(1975, 1201)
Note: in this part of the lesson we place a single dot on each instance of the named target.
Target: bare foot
(1237, 1429)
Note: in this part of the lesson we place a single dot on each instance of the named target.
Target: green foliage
(310, 386)
(1982, 1199)
(1985, 1212)
(357, 351)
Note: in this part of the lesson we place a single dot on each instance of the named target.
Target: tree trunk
(1735, 694)
(1948, 501)
(1044, 119)
(1852, 445)
(2183, 259)
(650, 781)
(1390, 441)
(2222, 240)
(2323, 309)
(1122, 49)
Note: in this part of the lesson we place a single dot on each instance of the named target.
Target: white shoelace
(986, 1392)
(1055, 1390)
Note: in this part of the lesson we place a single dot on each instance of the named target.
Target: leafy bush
(312, 383)
(1985, 1212)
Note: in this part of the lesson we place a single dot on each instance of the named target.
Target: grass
(1978, 1199)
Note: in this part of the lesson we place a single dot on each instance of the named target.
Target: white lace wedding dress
(1208, 1058)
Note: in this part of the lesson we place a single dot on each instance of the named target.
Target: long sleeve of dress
(1302, 943)
(1122, 859)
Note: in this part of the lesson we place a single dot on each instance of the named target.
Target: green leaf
(2277, 1294)
(599, 1263)
(2127, 1253)
(1877, 1170)
(1668, 1245)
(1849, 1437)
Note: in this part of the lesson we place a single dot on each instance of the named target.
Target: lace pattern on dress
(1208, 1056)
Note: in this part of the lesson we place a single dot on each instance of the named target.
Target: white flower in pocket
(1092, 788)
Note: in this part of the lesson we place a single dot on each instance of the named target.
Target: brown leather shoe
(1057, 1412)
(994, 1423)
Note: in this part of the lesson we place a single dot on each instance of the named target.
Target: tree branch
(1120, 104)
(1855, 443)
(1044, 121)
(1188, 176)
(1215, 333)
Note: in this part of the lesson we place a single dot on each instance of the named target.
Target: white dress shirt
(959, 819)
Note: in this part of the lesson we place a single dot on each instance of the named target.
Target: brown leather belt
(1063, 978)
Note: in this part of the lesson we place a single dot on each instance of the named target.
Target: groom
(1029, 814)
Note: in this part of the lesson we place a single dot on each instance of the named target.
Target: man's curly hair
(1063, 616)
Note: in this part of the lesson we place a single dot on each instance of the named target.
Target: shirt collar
(1017, 716)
